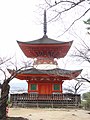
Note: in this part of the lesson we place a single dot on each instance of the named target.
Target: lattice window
(33, 86)
(56, 86)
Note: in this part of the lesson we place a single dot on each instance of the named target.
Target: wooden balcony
(48, 100)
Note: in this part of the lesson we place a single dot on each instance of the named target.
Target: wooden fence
(41, 100)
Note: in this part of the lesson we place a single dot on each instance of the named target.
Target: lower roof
(61, 73)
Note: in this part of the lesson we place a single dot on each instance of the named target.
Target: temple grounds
(48, 114)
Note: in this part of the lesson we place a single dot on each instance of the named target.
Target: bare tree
(83, 54)
(74, 87)
(4, 85)
(63, 6)
(65, 10)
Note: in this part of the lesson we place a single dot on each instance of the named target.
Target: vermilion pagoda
(45, 51)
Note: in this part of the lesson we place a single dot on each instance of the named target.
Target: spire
(45, 23)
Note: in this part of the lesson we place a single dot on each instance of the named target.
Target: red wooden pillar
(61, 90)
(28, 86)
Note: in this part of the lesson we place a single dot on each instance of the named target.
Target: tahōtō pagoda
(45, 51)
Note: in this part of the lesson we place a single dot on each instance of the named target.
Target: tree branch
(82, 78)
(73, 4)
(74, 22)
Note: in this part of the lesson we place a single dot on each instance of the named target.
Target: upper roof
(45, 46)
(43, 40)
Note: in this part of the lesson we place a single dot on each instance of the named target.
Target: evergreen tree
(86, 97)
(88, 23)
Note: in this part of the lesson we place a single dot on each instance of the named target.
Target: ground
(47, 114)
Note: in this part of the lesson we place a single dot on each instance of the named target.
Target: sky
(16, 23)
(21, 20)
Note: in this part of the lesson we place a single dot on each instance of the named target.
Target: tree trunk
(3, 100)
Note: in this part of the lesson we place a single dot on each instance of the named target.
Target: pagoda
(45, 77)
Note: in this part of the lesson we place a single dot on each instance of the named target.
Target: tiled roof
(56, 71)
(43, 40)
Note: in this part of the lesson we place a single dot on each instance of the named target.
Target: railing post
(0, 92)
(52, 100)
(37, 101)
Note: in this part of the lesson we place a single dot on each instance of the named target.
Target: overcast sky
(20, 20)
(16, 20)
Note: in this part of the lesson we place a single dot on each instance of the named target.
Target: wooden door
(45, 88)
